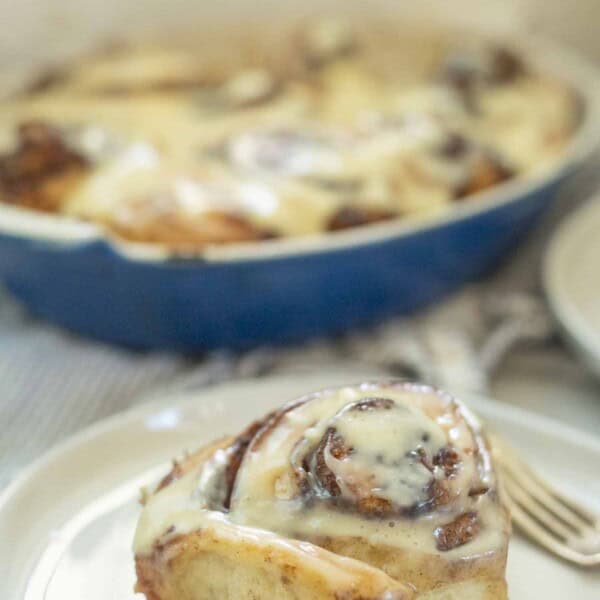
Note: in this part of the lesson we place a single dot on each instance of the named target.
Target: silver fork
(547, 516)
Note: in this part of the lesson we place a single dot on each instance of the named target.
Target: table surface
(551, 383)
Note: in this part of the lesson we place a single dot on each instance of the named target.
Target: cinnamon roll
(375, 491)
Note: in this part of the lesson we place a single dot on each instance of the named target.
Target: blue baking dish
(282, 290)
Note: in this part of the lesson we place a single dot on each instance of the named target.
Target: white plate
(66, 524)
(572, 281)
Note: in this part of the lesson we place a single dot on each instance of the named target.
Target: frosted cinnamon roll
(375, 491)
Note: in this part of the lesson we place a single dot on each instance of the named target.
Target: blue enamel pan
(279, 291)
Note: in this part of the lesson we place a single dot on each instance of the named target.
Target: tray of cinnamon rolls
(301, 179)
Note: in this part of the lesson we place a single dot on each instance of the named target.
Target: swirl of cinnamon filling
(363, 461)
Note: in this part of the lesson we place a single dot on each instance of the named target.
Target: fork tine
(547, 500)
(538, 512)
(555, 522)
(532, 528)
(583, 513)
(576, 510)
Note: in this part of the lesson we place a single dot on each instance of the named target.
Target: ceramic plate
(571, 277)
(66, 524)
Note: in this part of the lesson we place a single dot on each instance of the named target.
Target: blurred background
(65, 26)
(495, 335)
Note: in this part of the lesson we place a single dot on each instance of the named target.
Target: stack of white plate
(572, 282)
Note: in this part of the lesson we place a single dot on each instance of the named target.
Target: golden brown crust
(355, 216)
(203, 566)
(487, 172)
(422, 571)
(42, 170)
(153, 222)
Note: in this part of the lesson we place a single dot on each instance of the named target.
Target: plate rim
(570, 321)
